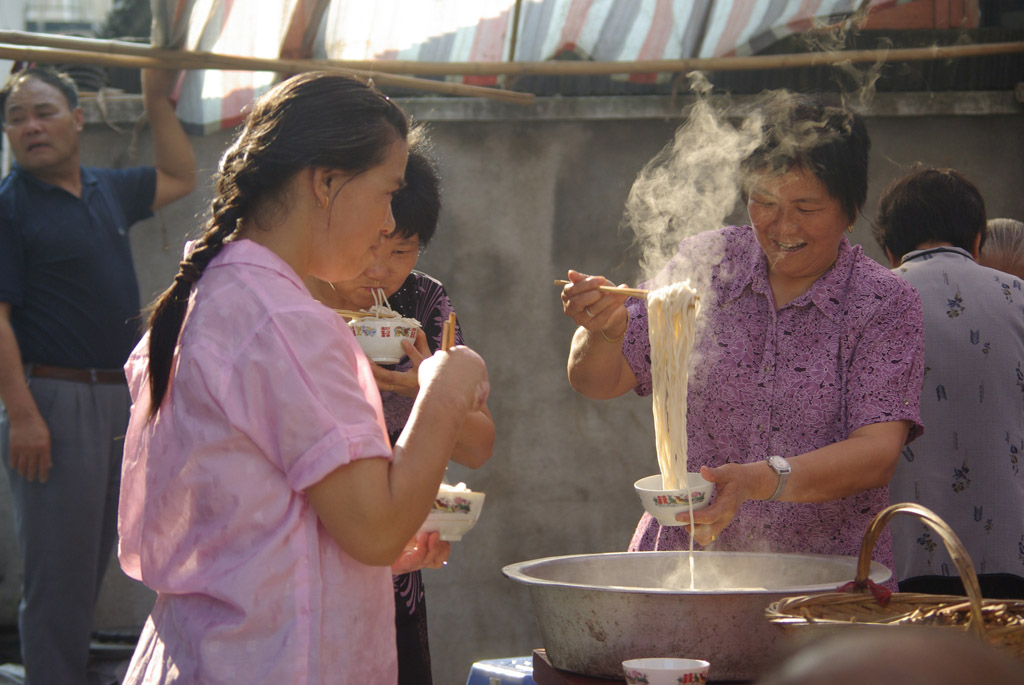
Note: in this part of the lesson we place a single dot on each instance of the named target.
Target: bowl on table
(454, 512)
(656, 671)
(381, 337)
(664, 504)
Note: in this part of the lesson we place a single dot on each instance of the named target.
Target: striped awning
(468, 31)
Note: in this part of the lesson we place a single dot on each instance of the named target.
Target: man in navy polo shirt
(69, 316)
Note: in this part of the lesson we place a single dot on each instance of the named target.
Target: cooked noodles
(672, 313)
(381, 309)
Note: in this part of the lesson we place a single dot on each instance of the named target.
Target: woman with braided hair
(260, 496)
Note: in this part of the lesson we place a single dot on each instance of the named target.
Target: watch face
(778, 463)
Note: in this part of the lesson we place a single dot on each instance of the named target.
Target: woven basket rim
(1001, 616)
(999, 621)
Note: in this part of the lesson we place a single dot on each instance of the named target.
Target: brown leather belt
(61, 373)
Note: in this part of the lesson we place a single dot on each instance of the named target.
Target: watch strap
(783, 477)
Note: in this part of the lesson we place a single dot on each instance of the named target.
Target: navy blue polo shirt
(66, 265)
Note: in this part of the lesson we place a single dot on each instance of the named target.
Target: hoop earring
(321, 202)
(849, 229)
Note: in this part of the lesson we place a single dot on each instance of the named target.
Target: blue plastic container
(516, 670)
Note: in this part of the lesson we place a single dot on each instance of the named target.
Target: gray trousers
(67, 527)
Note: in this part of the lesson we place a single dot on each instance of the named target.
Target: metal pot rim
(517, 572)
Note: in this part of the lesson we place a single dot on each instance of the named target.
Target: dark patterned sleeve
(432, 309)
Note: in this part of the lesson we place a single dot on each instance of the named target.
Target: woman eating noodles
(807, 351)
(261, 497)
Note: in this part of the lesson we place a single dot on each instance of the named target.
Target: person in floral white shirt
(969, 465)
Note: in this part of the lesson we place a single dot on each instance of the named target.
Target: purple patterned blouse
(847, 353)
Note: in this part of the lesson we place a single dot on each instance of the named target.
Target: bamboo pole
(515, 31)
(202, 60)
(176, 59)
(755, 62)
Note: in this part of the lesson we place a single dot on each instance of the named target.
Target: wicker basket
(1000, 622)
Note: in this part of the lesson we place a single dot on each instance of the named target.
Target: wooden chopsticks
(448, 332)
(633, 292)
(352, 314)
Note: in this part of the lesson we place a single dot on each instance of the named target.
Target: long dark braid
(310, 120)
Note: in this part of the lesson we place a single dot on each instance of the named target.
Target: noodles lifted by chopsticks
(672, 314)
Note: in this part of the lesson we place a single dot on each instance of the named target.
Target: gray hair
(1004, 246)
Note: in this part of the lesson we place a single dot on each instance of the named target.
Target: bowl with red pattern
(664, 504)
(381, 337)
(456, 510)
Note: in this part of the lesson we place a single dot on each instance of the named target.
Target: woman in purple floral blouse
(806, 349)
(415, 295)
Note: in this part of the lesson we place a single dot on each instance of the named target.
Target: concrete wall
(530, 193)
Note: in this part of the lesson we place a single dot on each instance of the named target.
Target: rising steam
(693, 184)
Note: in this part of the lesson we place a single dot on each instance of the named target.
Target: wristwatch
(782, 468)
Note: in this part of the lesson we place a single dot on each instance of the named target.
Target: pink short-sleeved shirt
(847, 353)
(270, 394)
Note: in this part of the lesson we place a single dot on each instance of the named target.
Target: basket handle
(953, 545)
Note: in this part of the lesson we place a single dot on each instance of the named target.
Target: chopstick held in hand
(448, 332)
(634, 292)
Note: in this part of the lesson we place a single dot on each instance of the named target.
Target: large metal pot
(595, 610)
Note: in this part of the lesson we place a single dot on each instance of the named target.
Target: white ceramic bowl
(454, 513)
(665, 504)
(381, 338)
(657, 671)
